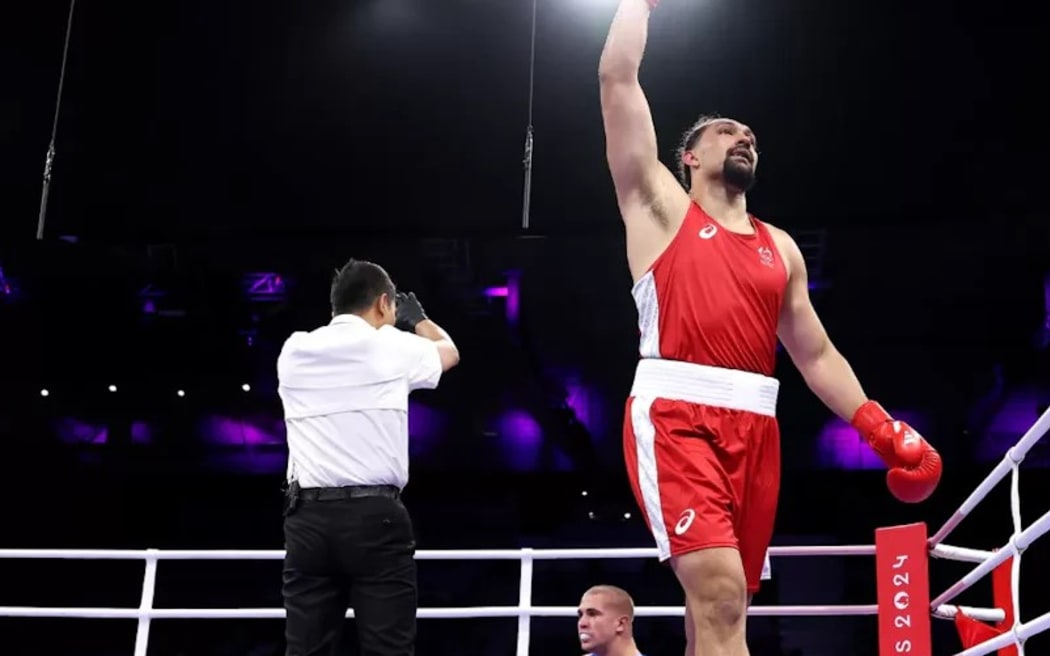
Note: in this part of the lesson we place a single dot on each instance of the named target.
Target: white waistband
(704, 385)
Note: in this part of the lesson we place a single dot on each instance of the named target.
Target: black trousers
(349, 548)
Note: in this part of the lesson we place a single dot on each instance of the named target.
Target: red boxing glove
(915, 466)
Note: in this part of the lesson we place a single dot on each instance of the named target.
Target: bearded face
(724, 150)
(738, 170)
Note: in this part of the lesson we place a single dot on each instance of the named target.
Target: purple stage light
(141, 433)
(254, 445)
(585, 402)
(75, 431)
(513, 296)
(257, 431)
(511, 292)
(426, 428)
(264, 287)
(839, 446)
(520, 427)
(521, 440)
(1017, 413)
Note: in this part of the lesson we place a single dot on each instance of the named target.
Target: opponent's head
(365, 289)
(606, 616)
(719, 149)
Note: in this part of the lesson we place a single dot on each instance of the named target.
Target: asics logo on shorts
(685, 521)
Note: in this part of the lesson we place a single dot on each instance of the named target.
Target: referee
(348, 537)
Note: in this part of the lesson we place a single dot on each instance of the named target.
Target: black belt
(348, 492)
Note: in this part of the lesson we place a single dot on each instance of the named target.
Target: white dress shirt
(345, 387)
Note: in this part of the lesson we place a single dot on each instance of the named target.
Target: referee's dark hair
(358, 285)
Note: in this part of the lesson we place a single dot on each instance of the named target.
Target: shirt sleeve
(417, 357)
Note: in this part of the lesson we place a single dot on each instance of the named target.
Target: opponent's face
(598, 624)
(727, 150)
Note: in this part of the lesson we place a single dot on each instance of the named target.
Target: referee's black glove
(409, 312)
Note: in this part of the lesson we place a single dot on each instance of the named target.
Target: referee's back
(348, 536)
(345, 389)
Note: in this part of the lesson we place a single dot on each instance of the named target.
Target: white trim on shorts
(692, 383)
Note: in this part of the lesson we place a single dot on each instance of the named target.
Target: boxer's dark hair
(357, 286)
(689, 139)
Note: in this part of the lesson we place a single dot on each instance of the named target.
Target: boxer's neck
(627, 648)
(727, 206)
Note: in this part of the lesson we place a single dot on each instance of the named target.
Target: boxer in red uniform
(715, 287)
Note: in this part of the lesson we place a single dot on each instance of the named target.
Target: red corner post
(973, 632)
(902, 567)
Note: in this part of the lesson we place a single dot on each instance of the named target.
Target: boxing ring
(903, 608)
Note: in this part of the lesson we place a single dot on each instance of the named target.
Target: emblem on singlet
(708, 231)
(765, 256)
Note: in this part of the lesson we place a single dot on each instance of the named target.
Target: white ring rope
(1010, 462)
(1014, 547)
(523, 611)
(961, 554)
(440, 554)
(469, 612)
(986, 562)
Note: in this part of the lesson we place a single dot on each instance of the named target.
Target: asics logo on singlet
(685, 521)
(708, 231)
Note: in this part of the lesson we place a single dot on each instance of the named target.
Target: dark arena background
(216, 161)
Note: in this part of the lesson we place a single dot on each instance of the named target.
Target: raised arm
(447, 351)
(646, 190)
(412, 318)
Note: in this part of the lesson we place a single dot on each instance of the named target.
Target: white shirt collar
(349, 318)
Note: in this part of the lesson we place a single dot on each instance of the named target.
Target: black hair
(357, 286)
(689, 139)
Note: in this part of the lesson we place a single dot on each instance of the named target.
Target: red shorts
(704, 476)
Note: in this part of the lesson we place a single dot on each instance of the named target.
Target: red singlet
(713, 297)
(701, 441)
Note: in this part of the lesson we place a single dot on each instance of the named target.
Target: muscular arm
(914, 466)
(825, 370)
(644, 187)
